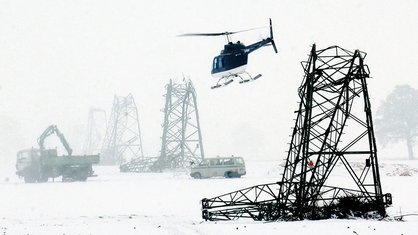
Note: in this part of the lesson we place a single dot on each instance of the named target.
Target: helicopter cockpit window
(217, 63)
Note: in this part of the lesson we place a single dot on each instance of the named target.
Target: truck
(40, 164)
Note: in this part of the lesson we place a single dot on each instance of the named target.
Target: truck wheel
(197, 175)
(82, 174)
(232, 175)
(43, 179)
(42, 176)
(82, 178)
(29, 179)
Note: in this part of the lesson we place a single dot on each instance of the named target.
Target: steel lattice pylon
(122, 141)
(96, 128)
(334, 129)
(182, 138)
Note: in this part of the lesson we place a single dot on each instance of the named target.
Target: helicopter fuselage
(234, 58)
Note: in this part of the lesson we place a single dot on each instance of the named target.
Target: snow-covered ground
(169, 203)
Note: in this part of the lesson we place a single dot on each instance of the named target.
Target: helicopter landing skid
(228, 80)
(251, 78)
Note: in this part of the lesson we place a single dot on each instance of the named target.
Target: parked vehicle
(228, 167)
(38, 165)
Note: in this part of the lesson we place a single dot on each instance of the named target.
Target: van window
(215, 162)
(204, 163)
(240, 161)
(229, 161)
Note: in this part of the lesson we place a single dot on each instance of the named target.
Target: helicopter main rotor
(218, 34)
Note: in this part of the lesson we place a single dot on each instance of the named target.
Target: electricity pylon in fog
(122, 141)
(181, 141)
(96, 128)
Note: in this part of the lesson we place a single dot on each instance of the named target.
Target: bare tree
(397, 118)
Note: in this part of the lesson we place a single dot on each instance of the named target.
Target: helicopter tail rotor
(271, 37)
(274, 45)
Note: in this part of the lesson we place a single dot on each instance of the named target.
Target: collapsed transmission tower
(333, 134)
(122, 141)
(96, 128)
(182, 138)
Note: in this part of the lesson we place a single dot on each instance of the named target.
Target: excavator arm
(49, 131)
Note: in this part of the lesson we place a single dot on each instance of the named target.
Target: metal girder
(122, 141)
(181, 141)
(96, 128)
(262, 202)
(181, 138)
(333, 128)
(140, 165)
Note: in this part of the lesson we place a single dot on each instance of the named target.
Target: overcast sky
(60, 58)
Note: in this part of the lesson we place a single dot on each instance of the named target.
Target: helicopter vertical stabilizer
(271, 37)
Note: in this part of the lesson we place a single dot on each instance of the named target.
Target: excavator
(40, 164)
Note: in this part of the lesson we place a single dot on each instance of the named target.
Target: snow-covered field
(169, 203)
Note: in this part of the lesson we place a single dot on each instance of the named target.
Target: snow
(169, 203)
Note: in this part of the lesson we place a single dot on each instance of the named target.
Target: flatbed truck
(40, 164)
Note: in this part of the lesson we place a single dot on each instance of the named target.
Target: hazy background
(60, 58)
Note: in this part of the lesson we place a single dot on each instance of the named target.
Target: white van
(228, 167)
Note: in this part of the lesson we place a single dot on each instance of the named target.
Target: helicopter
(232, 61)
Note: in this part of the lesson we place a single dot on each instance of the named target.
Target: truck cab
(24, 158)
(28, 164)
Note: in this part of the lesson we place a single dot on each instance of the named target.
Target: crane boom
(49, 131)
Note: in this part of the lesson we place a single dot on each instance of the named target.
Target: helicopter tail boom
(265, 42)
